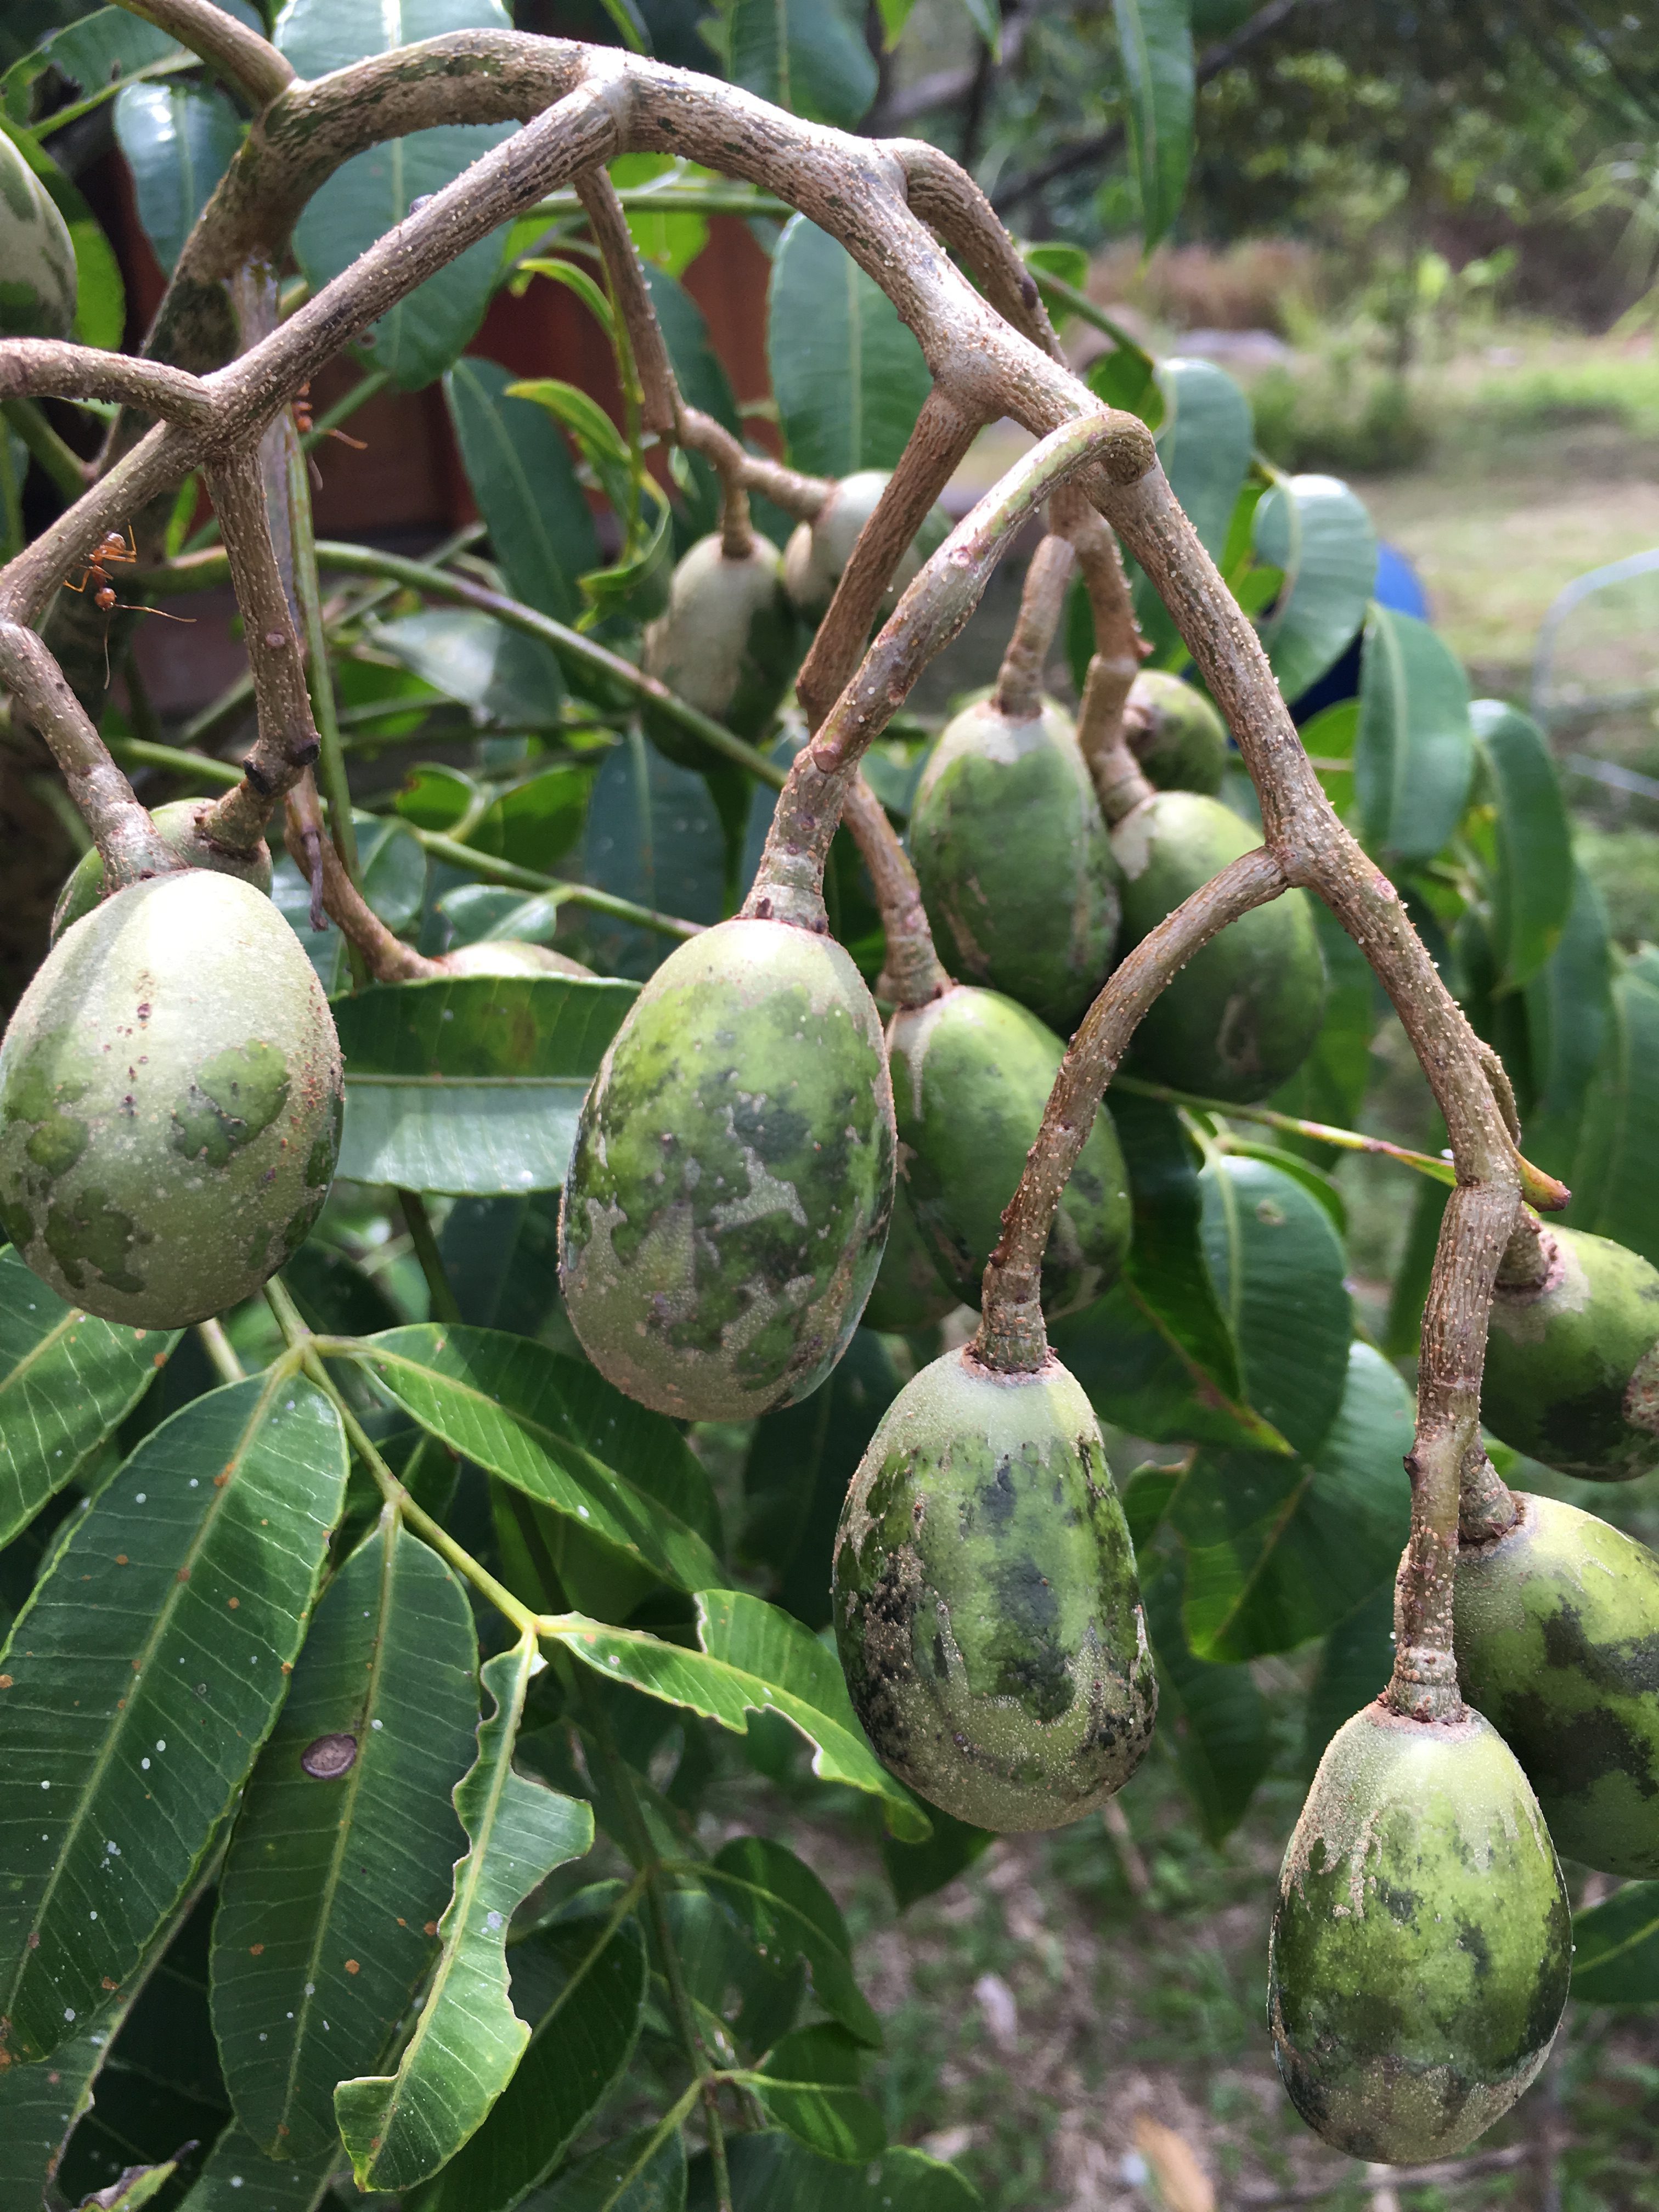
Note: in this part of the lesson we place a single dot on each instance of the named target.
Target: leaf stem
(1324, 1133)
(418, 1222)
(210, 1335)
(305, 1346)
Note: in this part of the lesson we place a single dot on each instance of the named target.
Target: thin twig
(239, 54)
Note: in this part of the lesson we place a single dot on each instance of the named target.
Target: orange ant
(113, 550)
(304, 425)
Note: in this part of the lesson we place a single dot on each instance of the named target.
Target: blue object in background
(1398, 587)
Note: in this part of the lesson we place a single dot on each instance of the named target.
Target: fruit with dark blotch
(1242, 1015)
(1014, 860)
(510, 956)
(972, 1072)
(176, 825)
(1558, 1645)
(726, 644)
(38, 280)
(1175, 733)
(819, 551)
(170, 1103)
(728, 1193)
(909, 1292)
(1421, 1941)
(1572, 1363)
(986, 1609)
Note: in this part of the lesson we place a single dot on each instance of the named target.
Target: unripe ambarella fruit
(1242, 1015)
(725, 643)
(972, 1072)
(170, 1103)
(38, 280)
(510, 956)
(727, 1199)
(987, 1610)
(819, 551)
(1572, 1363)
(176, 825)
(1014, 860)
(1558, 1645)
(1175, 733)
(1422, 1940)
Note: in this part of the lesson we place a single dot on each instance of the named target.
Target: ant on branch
(304, 425)
(114, 550)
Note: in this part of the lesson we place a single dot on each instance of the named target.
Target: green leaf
(667, 241)
(1614, 1191)
(140, 1680)
(98, 54)
(1205, 445)
(502, 1257)
(471, 1083)
(1414, 752)
(808, 56)
(1616, 1949)
(584, 1982)
(919, 1870)
(773, 2173)
(394, 869)
(1155, 53)
(788, 1914)
(654, 2180)
(653, 835)
(800, 1461)
(400, 2128)
(848, 376)
(38, 2106)
(1331, 1084)
(1156, 1354)
(809, 2085)
(313, 1966)
(66, 1380)
(1354, 1668)
(1278, 1551)
(506, 677)
(1216, 1714)
(236, 2176)
(576, 280)
(1278, 1266)
(753, 1659)
(1532, 883)
(419, 338)
(1319, 535)
(179, 140)
(434, 796)
(521, 474)
(557, 1429)
(334, 1295)
(1569, 1019)
(535, 822)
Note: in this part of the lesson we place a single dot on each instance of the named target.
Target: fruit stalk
(1119, 651)
(388, 959)
(1018, 692)
(912, 973)
(1011, 1339)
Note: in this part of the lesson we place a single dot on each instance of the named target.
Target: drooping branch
(1018, 693)
(1012, 1337)
(912, 973)
(38, 368)
(237, 52)
(801, 496)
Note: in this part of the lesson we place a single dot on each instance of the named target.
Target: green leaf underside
(1278, 1551)
(786, 1911)
(585, 2034)
(1155, 49)
(1217, 1716)
(401, 2128)
(471, 1085)
(848, 376)
(522, 477)
(1316, 531)
(140, 1680)
(1570, 1018)
(1532, 886)
(1414, 752)
(753, 1659)
(1614, 1193)
(178, 141)
(557, 1429)
(66, 1379)
(332, 1881)
(236, 2176)
(417, 340)
(1616, 1948)
(654, 836)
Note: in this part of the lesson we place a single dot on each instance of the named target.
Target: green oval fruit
(175, 825)
(170, 1103)
(1014, 860)
(1175, 734)
(972, 1072)
(986, 1609)
(1558, 1645)
(38, 281)
(819, 551)
(727, 1199)
(909, 1292)
(1421, 1942)
(1572, 1364)
(725, 644)
(1242, 1015)
(510, 956)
